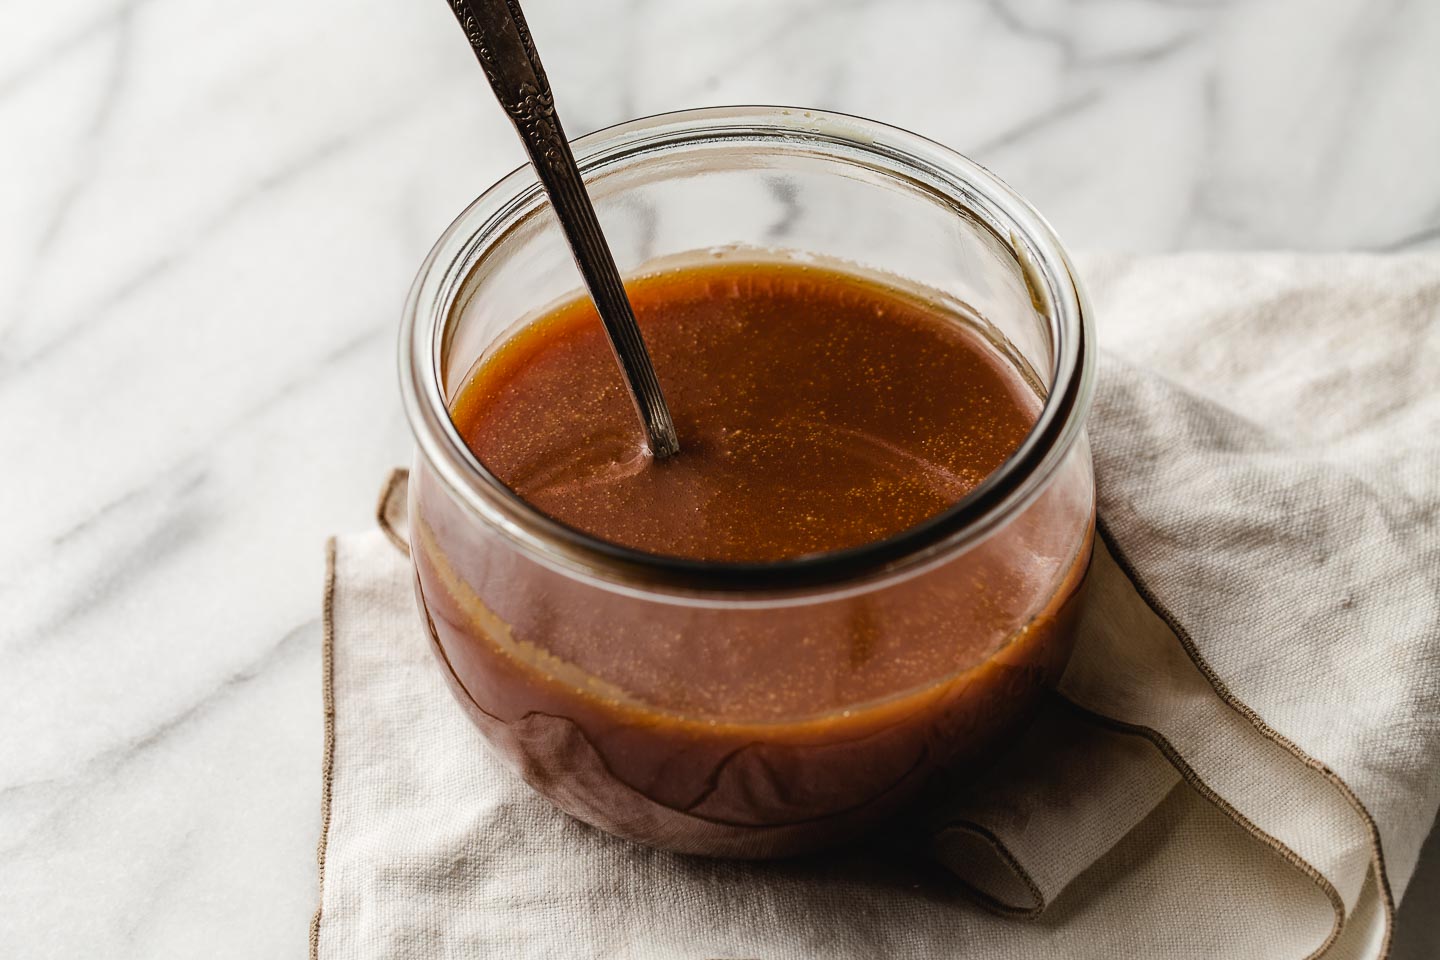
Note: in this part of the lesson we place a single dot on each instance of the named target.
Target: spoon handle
(497, 32)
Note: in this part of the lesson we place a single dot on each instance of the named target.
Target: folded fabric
(1242, 760)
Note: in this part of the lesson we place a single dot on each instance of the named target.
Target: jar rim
(483, 224)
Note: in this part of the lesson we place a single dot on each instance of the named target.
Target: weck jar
(580, 659)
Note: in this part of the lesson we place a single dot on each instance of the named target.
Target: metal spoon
(496, 30)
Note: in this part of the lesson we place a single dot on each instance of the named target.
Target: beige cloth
(1242, 761)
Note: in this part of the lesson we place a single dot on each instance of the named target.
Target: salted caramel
(817, 410)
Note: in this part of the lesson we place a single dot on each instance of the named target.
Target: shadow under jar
(592, 668)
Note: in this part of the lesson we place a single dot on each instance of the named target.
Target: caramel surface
(816, 411)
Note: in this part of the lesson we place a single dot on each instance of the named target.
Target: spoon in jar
(497, 32)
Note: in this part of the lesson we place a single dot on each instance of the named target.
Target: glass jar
(573, 655)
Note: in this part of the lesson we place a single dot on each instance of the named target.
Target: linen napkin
(1242, 760)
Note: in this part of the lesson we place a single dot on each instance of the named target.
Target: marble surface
(209, 217)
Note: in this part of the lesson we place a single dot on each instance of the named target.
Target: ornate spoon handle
(497, 32)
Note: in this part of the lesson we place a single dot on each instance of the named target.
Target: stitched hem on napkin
(1377, 857)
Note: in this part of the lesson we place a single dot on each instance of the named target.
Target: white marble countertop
(209, 217)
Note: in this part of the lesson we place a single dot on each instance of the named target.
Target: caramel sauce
(817, 410)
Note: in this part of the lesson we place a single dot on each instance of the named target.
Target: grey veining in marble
(209, 217)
